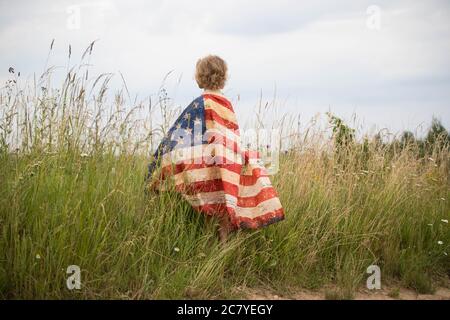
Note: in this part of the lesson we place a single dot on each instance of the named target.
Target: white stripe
(251, 191)
(260, 209)
(216, 127)
(216, 197)
(205, 174)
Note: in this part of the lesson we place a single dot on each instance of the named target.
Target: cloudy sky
(385, 61)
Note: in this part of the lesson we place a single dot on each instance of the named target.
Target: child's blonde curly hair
(211, 73)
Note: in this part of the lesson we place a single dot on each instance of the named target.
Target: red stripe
(260, 221)
(213, 116)
(249, 223)
(250, 202)
(209, 186)
(249, 180)
(220, 100)
(250, 155)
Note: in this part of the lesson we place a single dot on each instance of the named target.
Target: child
(202, 156)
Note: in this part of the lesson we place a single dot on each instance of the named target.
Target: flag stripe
(212, 115)
(219, 99)
(222, 111)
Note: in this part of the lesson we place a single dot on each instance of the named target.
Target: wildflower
(443, 199)
(83, 155)
(445, 253)
(440, 242)
(176, 249)
(273, 264)
(430, 224)
(444, 220)
(38, 256)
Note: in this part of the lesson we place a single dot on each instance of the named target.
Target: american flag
(201, 156)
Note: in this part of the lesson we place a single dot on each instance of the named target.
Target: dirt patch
(388, 293)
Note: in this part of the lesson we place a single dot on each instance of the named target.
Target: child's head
(211, 73)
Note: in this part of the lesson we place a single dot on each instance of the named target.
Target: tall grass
(72, 168)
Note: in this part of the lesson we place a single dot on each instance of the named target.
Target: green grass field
(72, 193)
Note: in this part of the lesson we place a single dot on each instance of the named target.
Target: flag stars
(187, 116)
(198, 137)
(178, 125)
(197, 121)
(188, 131)
(195, 105)
(180, 140)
